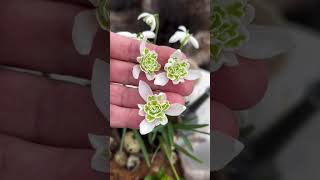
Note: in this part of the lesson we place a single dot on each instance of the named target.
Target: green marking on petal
(227, 30)
(155, 107)
(177, 69)
(148, 62)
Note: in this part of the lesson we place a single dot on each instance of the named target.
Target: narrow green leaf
(190, 126)
(187, 142)
(170, 134)
(143, 147)
(124, 131)
(187, 153)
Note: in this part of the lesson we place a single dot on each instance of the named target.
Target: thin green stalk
(165, 150)
(124, 130)
(157, 28)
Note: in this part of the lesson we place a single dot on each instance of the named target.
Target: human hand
(44, 123)
(124, 100)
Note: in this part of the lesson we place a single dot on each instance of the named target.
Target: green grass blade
(143, 147)
(187, 153)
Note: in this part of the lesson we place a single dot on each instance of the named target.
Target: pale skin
(44, 123)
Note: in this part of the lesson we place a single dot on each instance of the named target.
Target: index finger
(126, 49)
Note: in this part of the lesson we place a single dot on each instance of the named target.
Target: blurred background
(281, 132)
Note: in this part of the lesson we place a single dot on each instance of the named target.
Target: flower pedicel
(148, 62)
(156, 109)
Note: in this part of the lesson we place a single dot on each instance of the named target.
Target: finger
(24, 160)
(223, 120)
(121, 117)
(127, 49)
(130, 97)
(242, 86)
(43, 35)
(125, 77)
(47, 111)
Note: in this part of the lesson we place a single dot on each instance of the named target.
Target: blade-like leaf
(187, 142)
(190, 126)
(143, 147)
(187, 153)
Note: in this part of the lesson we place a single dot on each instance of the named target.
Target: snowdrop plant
(233, 35)
(148, 62)
(149, 19)
(177, 69)
(87, 24)
(184, 37)
(155, 109)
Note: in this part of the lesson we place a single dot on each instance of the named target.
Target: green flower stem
(165, 150)
(124, 130)
(157, 28)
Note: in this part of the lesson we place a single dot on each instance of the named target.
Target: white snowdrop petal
(146, 127)
(229, 59)
(164, 96)
(164, 121)
(224, 149)
(176, 54)
(249, 16)
(182, 28)
(175, 82)
(143, 15)
(193, 75)
(153, 24)
(144, 90)
(149, 34)
(175, 109)
(266, 42)
(194, 42)
(84, 31)
(127, 34)
(161, 79)
(143, 45)
(100, 87)
(141, 110)
(150, 77)
(136, 71)
(177, 36)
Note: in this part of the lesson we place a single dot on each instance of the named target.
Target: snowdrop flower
(184, 37)
(233, 35)
(156, 109)
(100, 160)
(177, 69)
(87, 24)
(148, 62)
(149, 19)
(139, 36)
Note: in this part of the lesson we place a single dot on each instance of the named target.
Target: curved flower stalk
(100, 160)
(233, 35)
(177, 69)
(224, 150)
(87, 24)
(149, 19)
(139, 36)
(156, 109)
(184, 37)
(148, 62)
